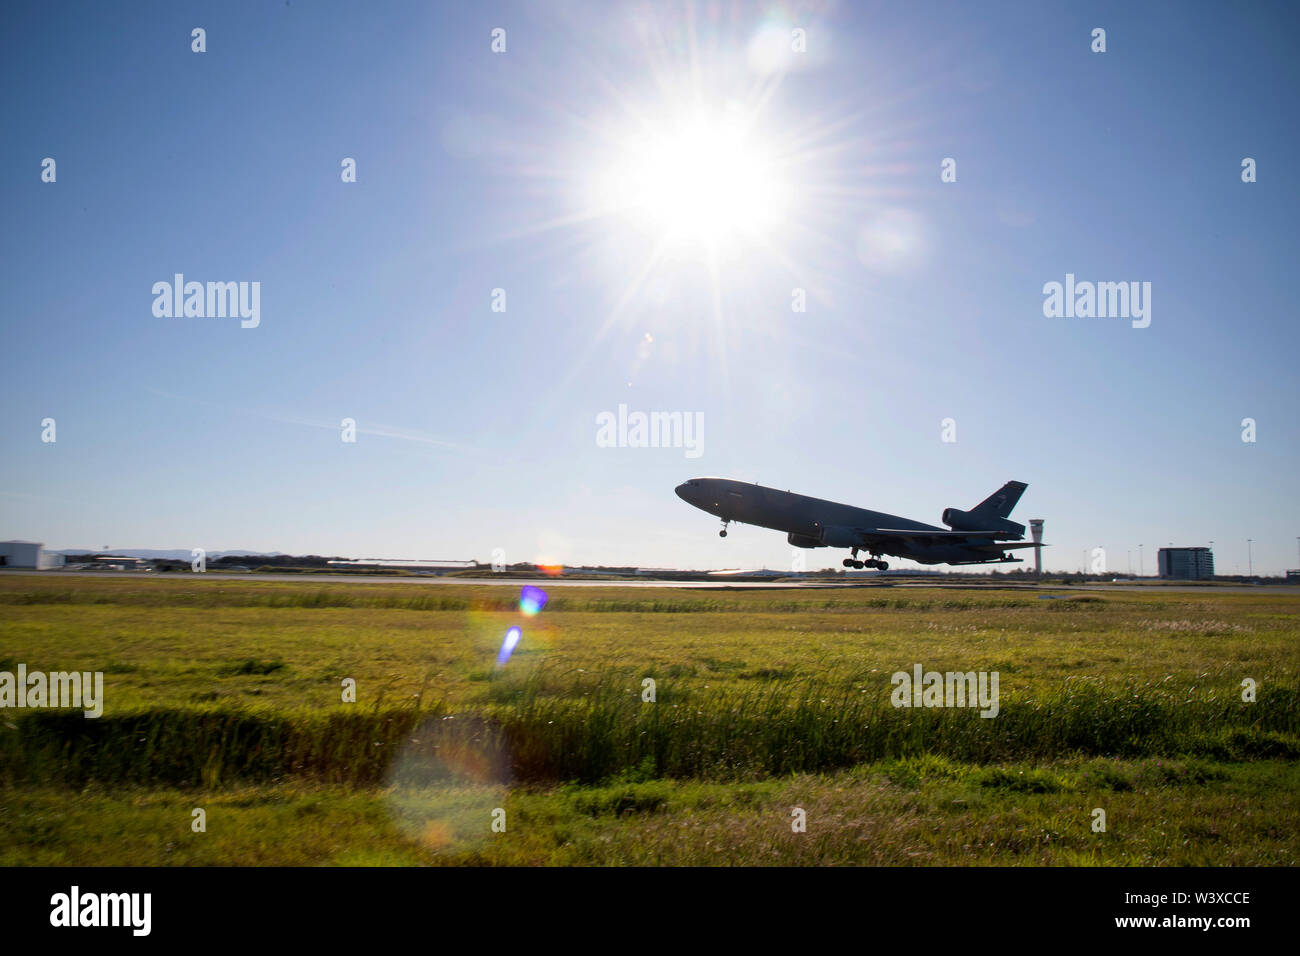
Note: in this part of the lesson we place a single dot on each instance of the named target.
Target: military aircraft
(982, 535)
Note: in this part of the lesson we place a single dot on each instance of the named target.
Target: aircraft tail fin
(991, 513)
(1001, 502)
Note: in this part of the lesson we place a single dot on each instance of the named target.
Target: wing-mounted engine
(803, 541)
(960, 520)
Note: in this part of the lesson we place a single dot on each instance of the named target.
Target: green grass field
(227, 696)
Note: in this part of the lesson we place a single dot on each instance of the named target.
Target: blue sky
(479, 171)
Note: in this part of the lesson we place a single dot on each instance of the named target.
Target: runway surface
(720, 583)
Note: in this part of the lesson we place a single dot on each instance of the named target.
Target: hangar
(28, 554)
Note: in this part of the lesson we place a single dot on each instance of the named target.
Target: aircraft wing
(942, 537)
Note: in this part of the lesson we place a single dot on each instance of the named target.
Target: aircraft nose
(684, 491)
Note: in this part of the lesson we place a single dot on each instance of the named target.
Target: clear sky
(649, 184)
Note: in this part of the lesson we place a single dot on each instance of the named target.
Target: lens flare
(508, 646)
(532, 600)
(448, 770)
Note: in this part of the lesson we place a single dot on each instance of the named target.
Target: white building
(28, 554)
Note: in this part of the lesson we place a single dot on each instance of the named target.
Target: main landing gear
(853, 562)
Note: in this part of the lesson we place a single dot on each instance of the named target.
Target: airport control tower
(1036, 530)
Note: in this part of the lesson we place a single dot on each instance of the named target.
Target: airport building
(1186, 564)
(28, 554)
(114, 562)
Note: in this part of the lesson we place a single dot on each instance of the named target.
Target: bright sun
(698, 182)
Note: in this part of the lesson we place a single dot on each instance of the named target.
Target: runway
(720, 583)
(432, 579)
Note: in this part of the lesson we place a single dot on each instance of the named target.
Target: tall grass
(184, 594)
(601, 728)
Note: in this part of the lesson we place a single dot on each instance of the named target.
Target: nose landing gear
(723, 532)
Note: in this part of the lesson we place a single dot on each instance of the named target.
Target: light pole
(1142, 568)
(1250, 556)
